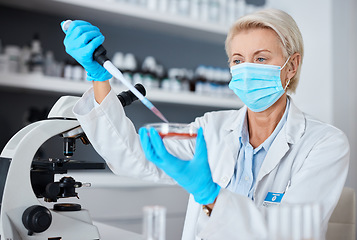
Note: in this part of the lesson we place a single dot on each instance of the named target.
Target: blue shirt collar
(244, 133)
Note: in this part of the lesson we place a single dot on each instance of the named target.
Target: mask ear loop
(287, 60)
(287, 84)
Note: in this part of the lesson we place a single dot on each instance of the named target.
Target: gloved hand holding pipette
(83, 42)
(82, 39)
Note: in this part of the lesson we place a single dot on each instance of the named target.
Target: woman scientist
(267, 147)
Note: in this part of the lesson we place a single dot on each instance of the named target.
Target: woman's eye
(261, 59)
(236, 61)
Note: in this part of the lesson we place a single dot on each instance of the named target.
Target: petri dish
(174, 130)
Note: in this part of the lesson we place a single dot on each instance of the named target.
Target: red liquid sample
(178, 135)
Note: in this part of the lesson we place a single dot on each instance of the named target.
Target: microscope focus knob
(36, 219)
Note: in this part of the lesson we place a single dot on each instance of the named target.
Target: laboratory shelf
(37, 82)
(125, 14)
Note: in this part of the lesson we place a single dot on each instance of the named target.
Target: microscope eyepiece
(127, 97)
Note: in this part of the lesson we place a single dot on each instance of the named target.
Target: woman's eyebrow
(237, 54)
(261, 50)
(255, 53)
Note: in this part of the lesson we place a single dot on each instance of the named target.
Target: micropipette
(100, 56)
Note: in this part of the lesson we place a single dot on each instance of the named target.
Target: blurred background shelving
(35, 82)
(148, 14)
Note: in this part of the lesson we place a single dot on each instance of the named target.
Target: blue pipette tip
(153, 109)
(159, 114)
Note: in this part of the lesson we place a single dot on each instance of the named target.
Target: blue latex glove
(82, 38)
(193, 175)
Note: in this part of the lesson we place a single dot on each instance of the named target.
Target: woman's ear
(293, 65)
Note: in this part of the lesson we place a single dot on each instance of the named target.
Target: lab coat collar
(237, 120)
(296, 123)
(292, 131)
(235, 131)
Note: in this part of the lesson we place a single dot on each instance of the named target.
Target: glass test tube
(154, 222)
(295, 222)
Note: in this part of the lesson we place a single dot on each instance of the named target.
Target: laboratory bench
(117, 202)
(108, 232)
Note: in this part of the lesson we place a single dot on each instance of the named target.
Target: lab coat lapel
(275, 154)
(229, 153)
(292, 131)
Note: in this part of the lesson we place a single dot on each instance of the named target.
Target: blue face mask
(257, 85)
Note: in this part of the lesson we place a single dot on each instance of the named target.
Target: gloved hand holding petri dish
(193, 175)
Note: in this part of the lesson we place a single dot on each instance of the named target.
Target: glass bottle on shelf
(25, 58)
(36, 57)
(130, 66)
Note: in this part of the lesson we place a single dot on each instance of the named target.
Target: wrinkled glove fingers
(159, 146)
(76, 31)
(147, 146)
(200, 142)
(79, 31)
(172, 165)
(89, 36)
(93, 44)
(81, 36)
(201, 147)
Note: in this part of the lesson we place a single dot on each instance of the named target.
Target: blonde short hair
(282, 24)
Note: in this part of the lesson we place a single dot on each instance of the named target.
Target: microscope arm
(14, 204)
(21, 150)
(18, 194)
(11, 145)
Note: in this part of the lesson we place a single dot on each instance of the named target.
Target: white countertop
(108, 232)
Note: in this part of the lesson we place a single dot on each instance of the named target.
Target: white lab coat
(312, 155)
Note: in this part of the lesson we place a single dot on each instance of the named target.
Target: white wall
(345, 76)
(314, 93)
(328, 86)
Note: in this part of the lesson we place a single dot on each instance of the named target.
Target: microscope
(24, 180)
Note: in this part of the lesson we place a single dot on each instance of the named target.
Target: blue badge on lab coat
(272, 199)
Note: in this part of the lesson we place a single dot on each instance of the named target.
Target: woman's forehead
(250, 41)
